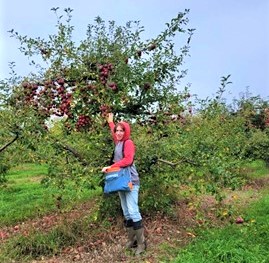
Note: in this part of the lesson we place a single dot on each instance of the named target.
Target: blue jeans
(129, 204)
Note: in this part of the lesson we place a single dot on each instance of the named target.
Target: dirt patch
(257, 183)
(36, 178)
(164, 236)
(109, 245)
(47, 222)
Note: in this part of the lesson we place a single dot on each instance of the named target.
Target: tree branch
(74, 152)
(9, 143)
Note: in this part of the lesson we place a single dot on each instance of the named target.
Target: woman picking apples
(129, 200)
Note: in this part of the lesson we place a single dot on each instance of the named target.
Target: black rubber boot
(141, 241)
(132, 242)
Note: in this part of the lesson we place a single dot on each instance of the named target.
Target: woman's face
(119, 133)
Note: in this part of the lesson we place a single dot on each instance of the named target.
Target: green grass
(257, 168)
(25, 197)
(246, 243)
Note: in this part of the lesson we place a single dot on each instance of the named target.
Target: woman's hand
(104, 170)
(110, 117)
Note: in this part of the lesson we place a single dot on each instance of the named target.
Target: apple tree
(111, 70)
(114, 69)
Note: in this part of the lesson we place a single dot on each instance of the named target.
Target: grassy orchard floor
(247, 242)
(181, 239)
(24, 197)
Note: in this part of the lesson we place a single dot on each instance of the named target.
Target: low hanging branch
(9, 143)
(74, 152)
(154, 160)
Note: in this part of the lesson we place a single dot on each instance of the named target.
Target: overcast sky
(231, 37)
